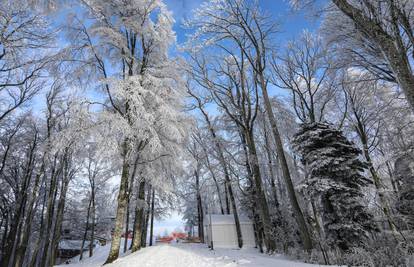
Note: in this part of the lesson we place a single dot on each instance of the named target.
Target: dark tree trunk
(374, 174)
(226, 197)
(270, 166)
(91, 244)
(260, 195)
(147, 215)
(50, 213)
(59, 219)
(85, 234)
(36, 248)
(139, 217)
(199, 209)
(152, 217)
(21, 251)
(300, 219)
(131, 185)
(120, 212)
(4, 237)
(133, 177)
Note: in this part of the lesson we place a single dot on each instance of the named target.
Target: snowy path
(192, 255)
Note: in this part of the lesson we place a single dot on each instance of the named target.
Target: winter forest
(108, 123)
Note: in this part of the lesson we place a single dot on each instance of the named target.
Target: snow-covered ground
(189, 255)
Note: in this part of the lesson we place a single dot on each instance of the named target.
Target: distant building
(220, 231)
(70, 248)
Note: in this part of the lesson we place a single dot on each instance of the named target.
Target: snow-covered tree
(26, 42)
(142, 111)
(404, 173)
(336, 178)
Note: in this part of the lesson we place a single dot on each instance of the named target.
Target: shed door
(224, 236)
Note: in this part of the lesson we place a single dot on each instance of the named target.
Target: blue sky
(292, 23)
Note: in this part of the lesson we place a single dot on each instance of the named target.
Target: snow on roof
(224, 219)
(72, 244)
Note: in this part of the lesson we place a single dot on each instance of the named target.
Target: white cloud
(182, 8)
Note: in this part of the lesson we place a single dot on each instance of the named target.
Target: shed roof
(67, 244)
(220, 219)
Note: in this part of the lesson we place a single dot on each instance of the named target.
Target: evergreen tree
(405, 176)
(335, 179)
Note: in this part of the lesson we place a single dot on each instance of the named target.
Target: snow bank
(100, 254)
(190, 255)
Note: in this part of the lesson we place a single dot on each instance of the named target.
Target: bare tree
(222, 160)
(365, 112)
(380, 36)
(245, 26)
(306, 70)
(24, 41)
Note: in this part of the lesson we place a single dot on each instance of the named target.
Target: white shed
(220, 231)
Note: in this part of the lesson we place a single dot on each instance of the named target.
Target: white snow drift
(190, 255)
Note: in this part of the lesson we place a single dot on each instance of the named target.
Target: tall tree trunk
(59, 219)
(227, 179)
(85, 234)
(224, 167)
(134, 171)
(91, 244)
(253, 198)
(50, 213)
(300, 219)
(14, 236)
(120, 212)
(215, 182)
(152, 217)
(226, 197)
(126, 236)
(139, 217)
(260, 195)
(36, 248)
(236, 215)
(147, 215)
(392, 180)
(390, 172)
(23, 235)
(4, 237)
(270, 164)
(21, 251)
(199, 209)
(258, 231)
(127, 210)
(375, 176)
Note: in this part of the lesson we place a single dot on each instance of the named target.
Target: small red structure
(173, 236)
(127, 235)
(177, 235)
